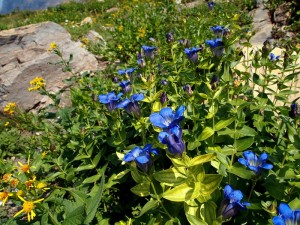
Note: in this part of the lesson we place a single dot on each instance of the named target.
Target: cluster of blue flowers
(171, 135)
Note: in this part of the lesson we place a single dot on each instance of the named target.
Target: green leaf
(202, 159)
(210, 183)
(246, 131)
(97, 159)
(92, 179)
(241, 171)
(84, 167)
(183, 192)
(243, 143)
(152, 204)
(195, 220)
(223, 123)
(206, 133)
(208, 212)
(171, 177)
(193, 145)
(142, 189)
(74, 215)
(93, 202)
(275, 189)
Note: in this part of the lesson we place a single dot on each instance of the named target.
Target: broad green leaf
(152, 204)
(210, 183)
(195, 220)
(93, 202)
(171, 177)
(208, 212)
(136, 175)
(223, 123)
(156, 107)
(241, 171)
(142, 189)
(243, 143)
(97, 158)
(200, 159)
(92, 179)
(193, 145)
(75, 217)
(276, 190)
(183, 192)
(206, 133)
(246, 131)
(191, 207)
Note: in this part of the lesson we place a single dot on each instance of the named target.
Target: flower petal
(250, 156)
(143, 159)
(179, 111)
(267, 166)
(157, 120)
(243, 161)
(263, 157)
(236, 196)
(163, 137)
(123, 104)
(167, 114)
(285, 210)
(227, 190)
(277, 220)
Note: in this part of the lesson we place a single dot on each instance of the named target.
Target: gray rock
(95, 38)
(282, 14)
(24, 56)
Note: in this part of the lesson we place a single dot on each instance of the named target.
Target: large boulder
(24, 55)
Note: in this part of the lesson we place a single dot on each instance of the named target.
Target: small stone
(87, 20)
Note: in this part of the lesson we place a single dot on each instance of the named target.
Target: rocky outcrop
(24, 55)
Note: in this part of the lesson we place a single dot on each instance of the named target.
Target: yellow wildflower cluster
(4, 196)
(6, 124)
(85, 41)
(37, 84)
(10, 108)
(141, 32)
(52, 46)
(120, 47)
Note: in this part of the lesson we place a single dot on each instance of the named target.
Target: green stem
(252, 188)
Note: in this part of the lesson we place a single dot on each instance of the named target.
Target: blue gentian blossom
(273, 57)
(164, 82)
(255, 163)
(219, 31)
(126, 86)
(294, 110)
(216, 46)
(170, 37)
(211, 5)
(188, 89)
(192, 53)
(127, 71)
(173, 139)
(231, 204)
(185, 42)
(131, 105)
(286, 216)
(167, 118)
(149, 51)
(142, 156)
(163, 97)
(214, 82)
(110, 100)
(140, 60)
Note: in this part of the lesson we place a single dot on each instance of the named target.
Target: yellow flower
(44, 154)
(298, 45)
(52, 46)
(25, 168)
(121, 28)
(4, 196)
(6, 124)
(36, 84)
(141, 32)
(10, 108)
(42, 186)
(85, 41)
(6, 177)
(120, 47)
(14, 182)
(28, 207)
(20, 193)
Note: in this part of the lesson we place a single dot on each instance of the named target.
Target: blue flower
(211, 5)
(219, 31)
(163, 97)
(188, 89)
(126, 86)
(214, 82)
(254, 163)
(149, 51)
(164, 82)
(192, 53)
(142, 156)
(216, 46)
(294, 110)
(131, 105)
(166, 118)
(170, 37)
(286, 216)
(127, 71)
(173, 139)
(273, 57)
(231, 204)
(140, 60)
(185, 42)
(110, 100)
